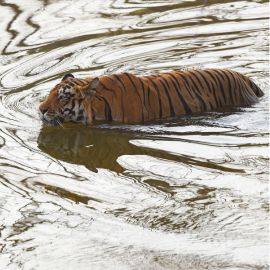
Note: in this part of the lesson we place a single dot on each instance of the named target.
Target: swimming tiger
(128, 98)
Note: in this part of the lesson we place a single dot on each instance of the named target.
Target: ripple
(187, 194)
(32, 70)
(132, 53)
(180, 175)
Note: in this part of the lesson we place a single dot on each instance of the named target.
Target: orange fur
(128, 98)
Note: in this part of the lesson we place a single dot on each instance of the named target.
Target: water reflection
(99, 147)
(90, 147)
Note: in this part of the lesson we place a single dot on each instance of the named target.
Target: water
(186, 194)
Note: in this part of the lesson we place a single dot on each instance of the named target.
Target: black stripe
(186, 107)
(72, 104)
(165, 81)
(211, 106)
(213, 78)
(148, 96)
(240, 90)
(194, 84)
(211, 88)
(71, 112)
(105, 87)
(197, 78)
(221, 80)
(256, 89)
(122, 90)
(195, 92)
(220, 84)
(119, 79)
(199, 95)
(232, 78)
(98, 97)
(214, 89)
(231, 92)
(144, 95)
(147, 93)
(67, 110)
(172, 112)
(205, 80)
(168, 87)
(130, 79)
(79, 82)
(238, 87)
(186, 83)
(107, 110)
(83, 81)
(244, 92)
(110, 78)
(159, 99)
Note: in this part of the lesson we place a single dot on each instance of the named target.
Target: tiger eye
(64, 97)
(64, 94)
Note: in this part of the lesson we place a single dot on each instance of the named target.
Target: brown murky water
(187, 194)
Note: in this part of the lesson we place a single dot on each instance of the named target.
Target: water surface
(191, 193)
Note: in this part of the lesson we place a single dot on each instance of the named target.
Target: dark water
(187, 194)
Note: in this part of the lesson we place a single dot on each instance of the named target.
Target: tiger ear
(91, 89)
(69, 75)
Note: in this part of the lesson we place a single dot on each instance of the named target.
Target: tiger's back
(131, 99)
(128, 98)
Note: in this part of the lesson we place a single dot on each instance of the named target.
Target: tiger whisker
(51, 114)
(59, 123)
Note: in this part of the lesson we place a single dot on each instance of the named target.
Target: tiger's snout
(49, 117)
(42, 112)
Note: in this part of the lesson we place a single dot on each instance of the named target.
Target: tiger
(131, 99)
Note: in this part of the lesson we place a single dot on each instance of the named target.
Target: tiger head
(69, 100)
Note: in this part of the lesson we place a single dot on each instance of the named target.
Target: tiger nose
(43, 111)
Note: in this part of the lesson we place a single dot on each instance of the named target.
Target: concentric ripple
(191, 193)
